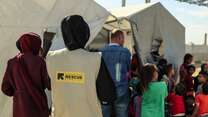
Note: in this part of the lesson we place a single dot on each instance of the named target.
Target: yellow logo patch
(70, 77)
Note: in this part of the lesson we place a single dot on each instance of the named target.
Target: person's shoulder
(53, 56)
(96, 55)
(182, 66)
(171, 96)
(89, 56)
(200, 95)
(110, 48)
(125, 50)
(56, 52)
(12, 60)
(161, 84)
(105, 47)
(92, 54)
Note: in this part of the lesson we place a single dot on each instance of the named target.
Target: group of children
(188, 98)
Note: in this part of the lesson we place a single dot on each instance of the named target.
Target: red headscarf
(30, 43)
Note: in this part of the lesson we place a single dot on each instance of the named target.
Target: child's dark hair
(147, 73)
(205, 89)
(187, 57)
(191, 67)
(204, 74)
(180, 89)
(163, 62)
(189, 104)
(203, 67)
(134, 63)
(168, 69)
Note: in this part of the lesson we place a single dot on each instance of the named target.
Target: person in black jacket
(162, 65)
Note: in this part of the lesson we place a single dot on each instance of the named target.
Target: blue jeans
(120, 107)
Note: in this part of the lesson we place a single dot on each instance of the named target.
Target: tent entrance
(103, 38)
(157, 50)
(130, 30)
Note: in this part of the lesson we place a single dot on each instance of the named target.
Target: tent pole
(136, 47)
(147, 1)
(123, 3)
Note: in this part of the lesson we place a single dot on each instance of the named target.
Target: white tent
(150, 24)
(20, 16)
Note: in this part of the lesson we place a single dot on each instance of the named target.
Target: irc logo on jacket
(70, 77)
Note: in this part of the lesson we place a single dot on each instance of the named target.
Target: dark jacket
(106, 90)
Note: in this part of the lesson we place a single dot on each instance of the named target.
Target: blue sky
(193, 17)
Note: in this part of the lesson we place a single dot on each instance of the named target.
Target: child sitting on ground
(176, 101)
(201, 109)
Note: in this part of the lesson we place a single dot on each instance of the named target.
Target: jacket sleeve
(6, 86)
(45, 77)
(105, 86)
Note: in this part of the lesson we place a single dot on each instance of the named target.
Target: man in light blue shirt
(117, 59)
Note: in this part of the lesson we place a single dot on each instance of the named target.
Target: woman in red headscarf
(26, 79)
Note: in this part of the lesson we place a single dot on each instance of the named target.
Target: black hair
(134, 62)
(189, 104)
(168, 69)
(204, 74)
(75, 32)
(162, 62)
(187, 57)
(18, 45)
(162, 66)
(147, 74)
(202, 67)
(191, 67)
(180, 89)
(205, 89)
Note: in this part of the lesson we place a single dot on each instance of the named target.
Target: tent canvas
(149, 23)
(20, 16)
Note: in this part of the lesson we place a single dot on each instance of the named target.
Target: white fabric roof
(20, 16)
(154, 21)
(128, 11)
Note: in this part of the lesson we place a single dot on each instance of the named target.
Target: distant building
(200, 52)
